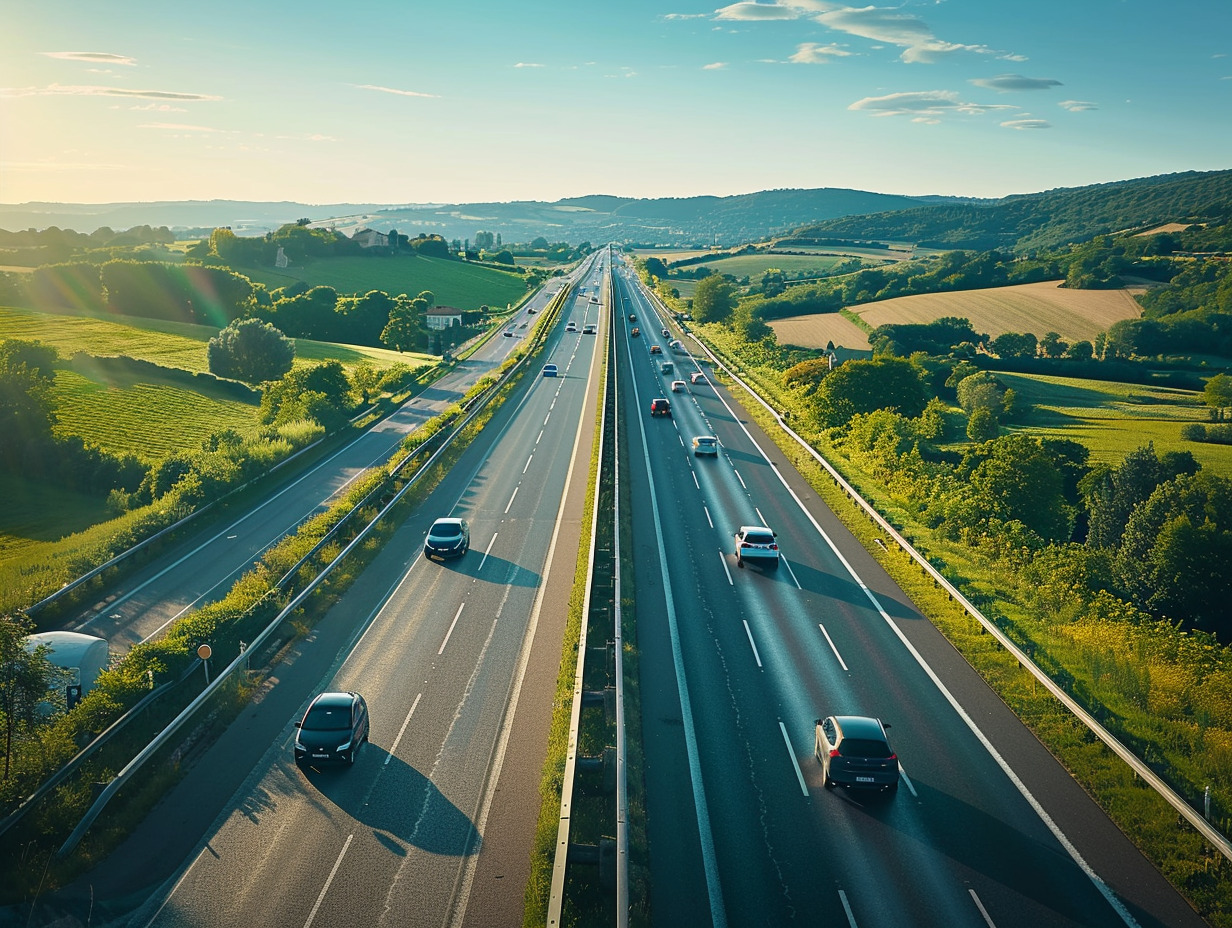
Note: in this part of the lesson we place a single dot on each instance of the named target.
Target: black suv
(333, 729)
(660, 407)
(853, 751)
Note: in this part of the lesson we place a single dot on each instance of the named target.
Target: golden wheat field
(1037, 308)
(818, 330)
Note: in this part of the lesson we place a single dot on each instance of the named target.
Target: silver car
(705, 444)
(853, 751)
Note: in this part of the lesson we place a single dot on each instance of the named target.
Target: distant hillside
(597, 218)
(1031, 222)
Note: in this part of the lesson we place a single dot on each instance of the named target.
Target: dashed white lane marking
(851, 919)
(794, 763)
(401, 731)
(752, 643)
(511, 499)
(832, 647)
(706, 509)
(790, 571)
(527, 467)
(449, 633)
(738, 477)
(726, 569)
(983, 911)
(330, 879)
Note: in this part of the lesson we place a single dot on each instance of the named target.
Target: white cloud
(714, 66)
(1026, 124)
(923, 106)
(68, 90)
(685, 15)
(1006, 83)
(1077, 106)
(177, 127)
(395, 91)
(95, 57)
(747, 10)
(816, 53)
(912, 34)
(529, 64)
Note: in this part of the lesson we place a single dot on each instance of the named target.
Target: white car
(697, 377)
(571, 327)
(705, 444)
(677, 386)
(756, 543)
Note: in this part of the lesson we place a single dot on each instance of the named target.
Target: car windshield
(759, 538)
(447, 530)
(863, 747)
(327, 718)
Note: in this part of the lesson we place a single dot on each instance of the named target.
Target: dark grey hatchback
(853, 751)
(333, 729)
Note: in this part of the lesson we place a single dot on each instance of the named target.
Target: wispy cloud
(529, 64)
(178, 127)
(68, 90)
(747, 10)
(158, 108)
(815, 53)
(1077, 106)
(95, 57)
(1008, 83)
(395, 91)
(912, 34)
(684, 15)
(714, 66)
(927, 106)
(1026, 124)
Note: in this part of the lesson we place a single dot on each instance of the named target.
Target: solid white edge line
(841, 663)
(851, 919)
(401, 731)
(329, 879)
(792, 754)
(449, 633)
(983, 911)
(752, 644)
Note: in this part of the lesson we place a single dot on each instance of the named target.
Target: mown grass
(1111, 419)
(454, 283)
(753, 266)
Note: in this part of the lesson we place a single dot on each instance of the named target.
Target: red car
(660, 407)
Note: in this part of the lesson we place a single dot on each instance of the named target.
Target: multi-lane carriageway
(457, 661)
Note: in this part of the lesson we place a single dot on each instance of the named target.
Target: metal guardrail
(1170, 795)
(477, 404)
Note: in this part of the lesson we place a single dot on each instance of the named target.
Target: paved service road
(736, 663)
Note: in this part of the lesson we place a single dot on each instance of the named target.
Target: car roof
(704, 438)
(334, 699)
(745, 529)
(860, 726)
(446, 522)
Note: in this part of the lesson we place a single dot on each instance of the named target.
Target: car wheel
(825, 777)
(893, 790)
(773, 564)
(739, 561)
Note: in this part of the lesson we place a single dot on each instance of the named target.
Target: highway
(737, 663)
(441, 651)
(204, 568)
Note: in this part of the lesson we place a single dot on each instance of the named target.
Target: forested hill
(1031, 222)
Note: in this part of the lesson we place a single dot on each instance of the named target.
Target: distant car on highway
(853, 751)
(550, 370)
(677, 386)
(447, 538)
(571, 326)
(655, 349)
(705, 444)
(697, 377)
(635, 332)
(590, 329)
(333, 729)
(660, 407)
(666, 333)
(633, 317)
(756, 543)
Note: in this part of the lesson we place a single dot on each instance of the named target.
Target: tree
(1014, 345)
(1016, 479)
(318, 391)
(26, 677)
(982, 426)
(252, 351)
(1112, 493)
(405, 326)
(1218, 394)
(1052, 346)
(1176, 549)
(1080, 351)
(864, 386)
(980, 390)
(713, 300)
(27, 410)
(773, 282)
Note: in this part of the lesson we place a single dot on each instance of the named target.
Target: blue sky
(472, 100)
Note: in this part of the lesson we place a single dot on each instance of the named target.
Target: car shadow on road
(495, 569)
(844, 589)
(403, 808)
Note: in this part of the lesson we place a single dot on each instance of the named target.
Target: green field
(1112, 419)
(453, 283)
(753, 266)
